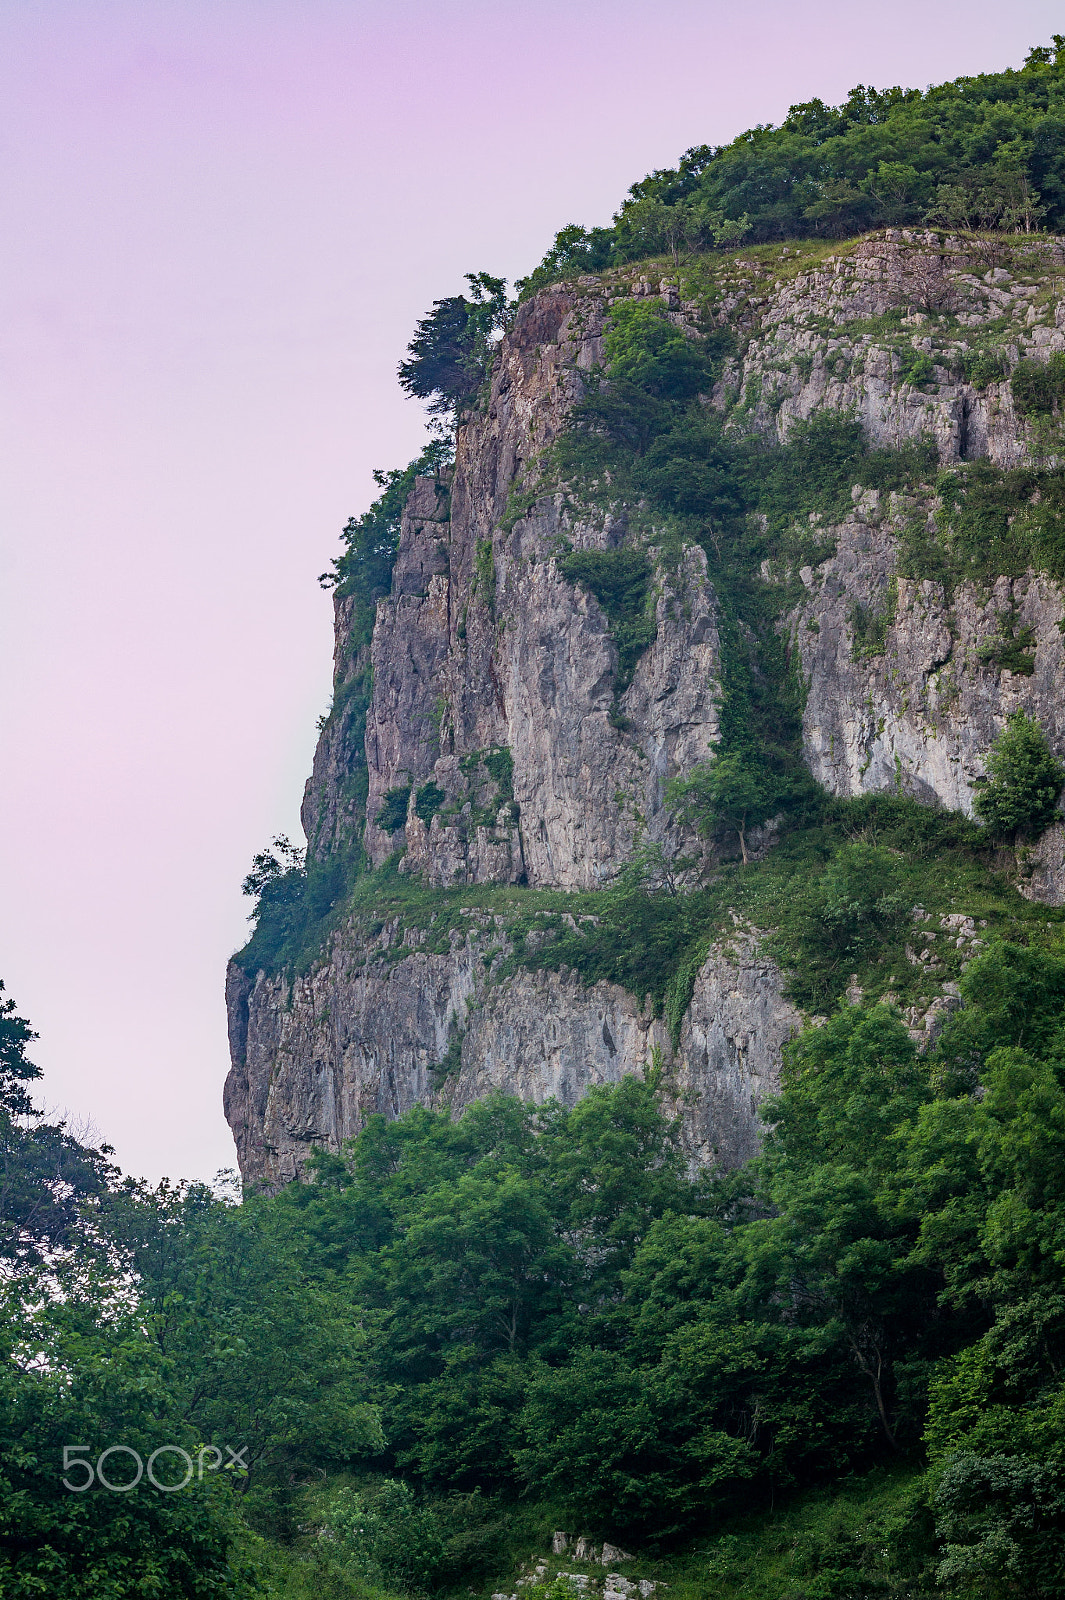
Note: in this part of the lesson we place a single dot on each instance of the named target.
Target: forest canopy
(978, 152)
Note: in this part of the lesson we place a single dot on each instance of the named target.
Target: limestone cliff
(314, 1056)
(499, 725)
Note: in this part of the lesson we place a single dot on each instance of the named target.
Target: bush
(392, 814)
(294, 897)
(387, 1535)
(1026, 778)
(428, 800)
(1001, 1519)
(855, 909)
(1037, 386)
(645, 348)
(982, 367)
(416, 1543)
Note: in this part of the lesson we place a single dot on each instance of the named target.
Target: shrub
(620, 580)
(646, 349)
(1001, 1520)
(499, 764)
(388, 1535)
(428, 800)
(294, 897)
(1025, 782)
(1038, 387)
(982, 367)
(393, 811)
(855, 910)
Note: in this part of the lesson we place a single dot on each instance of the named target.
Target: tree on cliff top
(985, 151)
(448, 356)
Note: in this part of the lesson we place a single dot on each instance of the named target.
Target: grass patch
(866, 1536)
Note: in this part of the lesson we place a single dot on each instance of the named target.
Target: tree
(258, 1353)
(1026, 779)
(80, 1375)
(371, 541)
(448, 356)
(45, 1173)
(646, 350)
(729, 793)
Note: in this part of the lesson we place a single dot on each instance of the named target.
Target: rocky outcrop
(850, 336)
(485, 729)
(484, 646)
(381, 1026)
(905, 686)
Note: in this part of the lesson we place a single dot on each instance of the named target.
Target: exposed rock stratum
(483, 646)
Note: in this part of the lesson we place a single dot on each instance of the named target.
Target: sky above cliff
(222, 219)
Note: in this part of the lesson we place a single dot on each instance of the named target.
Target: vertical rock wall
(494, 681)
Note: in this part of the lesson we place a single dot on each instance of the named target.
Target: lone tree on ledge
(1020, 795)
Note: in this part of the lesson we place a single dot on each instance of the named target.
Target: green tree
(728, 794)
(448, 355)
(1021, 794)
(984, 151)
(646, 349)
(78, 1369)
(259, 1353)
(45, 1173)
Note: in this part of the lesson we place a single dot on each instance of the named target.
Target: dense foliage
(980, 152)
(364, 570)
(621, 582)
(295, 894)
(564, 1307)
(80, 1366)
(545, 1300)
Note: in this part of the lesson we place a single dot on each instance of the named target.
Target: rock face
(313, 1057)
(917, 706)
(483, 646)
(795, 367)
(497, 747)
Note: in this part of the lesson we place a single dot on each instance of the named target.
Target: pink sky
(222, 219)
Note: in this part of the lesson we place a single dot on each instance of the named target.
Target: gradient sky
(222, 219)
